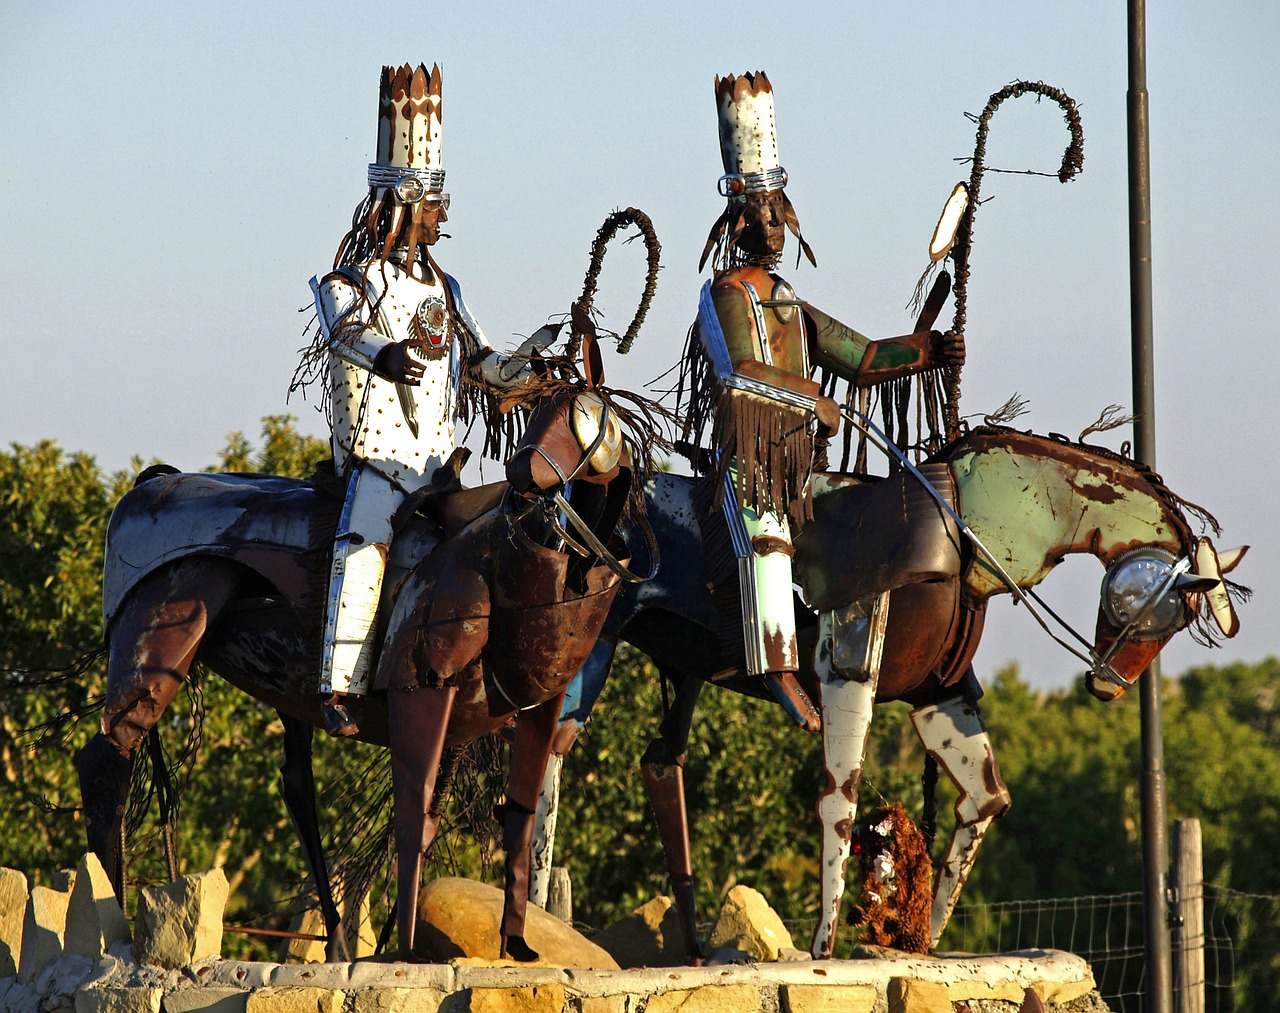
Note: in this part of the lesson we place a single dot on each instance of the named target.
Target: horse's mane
(1178, 506)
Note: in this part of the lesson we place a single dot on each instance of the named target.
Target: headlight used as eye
(589, 415)
(1131, 581)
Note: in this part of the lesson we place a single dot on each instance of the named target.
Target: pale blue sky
(173, 174)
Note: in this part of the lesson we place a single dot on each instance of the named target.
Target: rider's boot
(769, 626)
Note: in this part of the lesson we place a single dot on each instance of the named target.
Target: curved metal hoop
(618, 220)
(1072, 163)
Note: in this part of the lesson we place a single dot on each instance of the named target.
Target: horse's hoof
(794, 700)
(515, 948)
(338, 721)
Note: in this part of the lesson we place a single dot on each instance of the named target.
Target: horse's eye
(1128, 587)
(597, 431)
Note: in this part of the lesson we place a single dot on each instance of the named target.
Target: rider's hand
(946, 349)
(827, 411)
(395, 363)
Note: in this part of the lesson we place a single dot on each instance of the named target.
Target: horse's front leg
(847, 666)
(535, 728)
(953, 732)
(416, 720)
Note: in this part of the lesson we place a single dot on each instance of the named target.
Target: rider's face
(764, 229)
(429, 220)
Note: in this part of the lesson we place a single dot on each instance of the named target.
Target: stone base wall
(75, 952)
(114, 983)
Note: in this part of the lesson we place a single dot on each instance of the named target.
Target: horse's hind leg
(579, 700)
(298, 785)
(954, 734)
(151, 644)
(847, 666)
(417, 720)
(663, 769)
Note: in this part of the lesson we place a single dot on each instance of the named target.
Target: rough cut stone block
(118, 999)
(43, 929)
(828, 998)
(461, 918)
(180, 922)
(208, 999)
(648, 937)
(624, 1003)
(539, 999)
(295, 999)
(94, 919)
(397, 1000)
(748, 923)
(13, 910)
(708, 999)
(911, 995)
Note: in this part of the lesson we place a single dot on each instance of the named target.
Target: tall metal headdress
(749, 153)
(408, 156)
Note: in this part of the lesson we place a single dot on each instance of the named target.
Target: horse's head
(1148, 595)
(573, 433)
(592, 440)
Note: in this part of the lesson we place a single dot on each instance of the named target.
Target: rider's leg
(954, 733)
(762, 543)
(847, 666)
(355, 586)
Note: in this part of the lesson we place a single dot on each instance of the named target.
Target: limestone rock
(294, 999)
(94, 919)
(461, 918)
(748, 923)
(117, 999)
(180, 922)
(648, 937)
(13, 909)
(43, 929)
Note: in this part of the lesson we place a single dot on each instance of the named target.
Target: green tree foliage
(54, 509)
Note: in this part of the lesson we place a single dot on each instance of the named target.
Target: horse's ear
(592, 363)
(1207, 564)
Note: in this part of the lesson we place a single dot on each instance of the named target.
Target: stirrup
(794, 700)
(338, 721)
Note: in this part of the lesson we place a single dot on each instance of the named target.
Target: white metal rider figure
(751, 370)
(405, 359)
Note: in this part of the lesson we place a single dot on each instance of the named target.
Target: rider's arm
(484, 364)
(845, 352)
(736, 316)
(349, 333)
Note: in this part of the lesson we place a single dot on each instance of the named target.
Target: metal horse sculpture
(900, 589)
(493, 599)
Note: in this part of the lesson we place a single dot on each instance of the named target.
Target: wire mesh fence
(1241, 943)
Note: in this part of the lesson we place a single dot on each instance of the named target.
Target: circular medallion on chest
(430, 327)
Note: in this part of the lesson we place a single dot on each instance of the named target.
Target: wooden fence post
(1188, 928)
(560, 895)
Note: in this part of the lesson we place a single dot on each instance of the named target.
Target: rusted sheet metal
(1032, 503)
